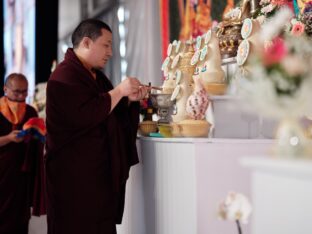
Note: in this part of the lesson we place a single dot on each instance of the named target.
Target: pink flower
(280, 3)
(297, 29)
(193, 2)
(214, 24)
(274, 52)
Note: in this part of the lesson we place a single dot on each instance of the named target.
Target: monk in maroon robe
(91, 136)
(20, 160)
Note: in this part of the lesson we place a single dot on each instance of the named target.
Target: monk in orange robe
(21, 161)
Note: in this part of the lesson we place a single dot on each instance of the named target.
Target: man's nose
(110, 52)
(22, 95)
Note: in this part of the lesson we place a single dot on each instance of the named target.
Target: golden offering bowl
(147, 127)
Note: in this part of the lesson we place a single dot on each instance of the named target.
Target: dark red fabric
(37, 124)
(21, 179)
(89, 150)
(165, 30)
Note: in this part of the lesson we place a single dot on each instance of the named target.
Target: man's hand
(140, 94)
(128, 86)
(12, 136)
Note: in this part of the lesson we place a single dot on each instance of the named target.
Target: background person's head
(92, 42)
(16, 87)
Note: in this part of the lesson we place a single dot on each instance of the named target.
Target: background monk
(91, 136)
(19, 160)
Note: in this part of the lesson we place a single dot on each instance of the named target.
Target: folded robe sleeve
(34, 165)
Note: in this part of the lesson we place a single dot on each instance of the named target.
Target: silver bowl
(161, 100)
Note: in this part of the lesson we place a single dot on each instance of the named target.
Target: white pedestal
(169, 187)
(186, 178)
(281, 195)
(133, 221)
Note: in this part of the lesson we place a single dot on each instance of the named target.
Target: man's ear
(85, 42)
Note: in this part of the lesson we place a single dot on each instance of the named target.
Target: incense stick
(153, 87)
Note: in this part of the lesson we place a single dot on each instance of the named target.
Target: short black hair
(88, 28)
(12, 76)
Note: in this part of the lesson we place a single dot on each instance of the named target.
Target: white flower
(301, 45)
(272, 27)
(287, 27)
(293, 21)
(261, 19)
(280, 82)
(267, 9)
(263, 2)
(233, 14)
(259, 89)
(294, 65)
(235, 207)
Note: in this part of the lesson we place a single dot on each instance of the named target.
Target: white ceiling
(69, 16)
(70, 13)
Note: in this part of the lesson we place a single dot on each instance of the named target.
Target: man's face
(16, 90)
(100, 50)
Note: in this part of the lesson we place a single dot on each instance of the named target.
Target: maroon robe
(89, 151)
(20, 179)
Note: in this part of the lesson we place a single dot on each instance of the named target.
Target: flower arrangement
(235, 207)
(279, 81)
(306, 18)
(280, 77)
(301, 24)
(296, 27)
(269, 7)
